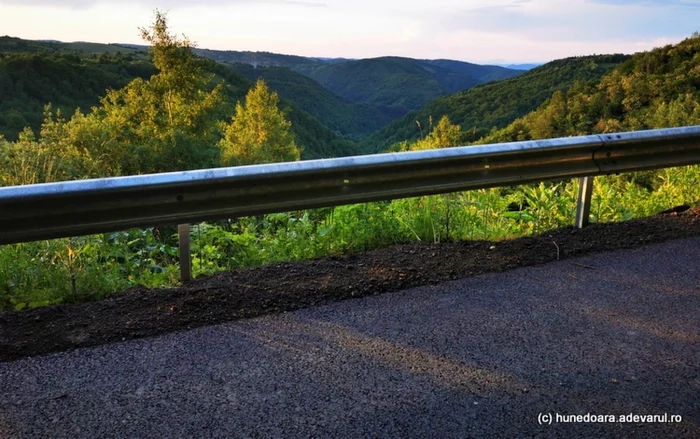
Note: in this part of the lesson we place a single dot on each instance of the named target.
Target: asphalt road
(609, 334)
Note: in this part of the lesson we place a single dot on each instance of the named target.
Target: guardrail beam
(74, 208)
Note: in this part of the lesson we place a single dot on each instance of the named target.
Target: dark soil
(141, 312)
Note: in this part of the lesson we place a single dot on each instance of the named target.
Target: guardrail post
(183, 232)
(583, 206)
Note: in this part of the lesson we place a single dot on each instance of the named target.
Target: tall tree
(170, 118)
(259, 131)
(165, 123)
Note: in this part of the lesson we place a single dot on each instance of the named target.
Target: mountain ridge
(392, 85)
(401, 84)
(71, 77)
(478, 110)
(653, 89)
(352, 120)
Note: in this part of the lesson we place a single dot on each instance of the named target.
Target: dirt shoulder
(281, 287)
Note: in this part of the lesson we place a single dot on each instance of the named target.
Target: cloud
(163, 4)
(652, 3)
(300, 3)
(589, 20)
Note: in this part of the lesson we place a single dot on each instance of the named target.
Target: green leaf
(521, 216)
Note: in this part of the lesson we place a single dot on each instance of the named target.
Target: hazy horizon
(479, 31)
(502, 63)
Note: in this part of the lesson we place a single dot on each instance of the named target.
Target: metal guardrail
(72, 208)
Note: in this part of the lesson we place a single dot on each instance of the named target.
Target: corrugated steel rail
(72, 208)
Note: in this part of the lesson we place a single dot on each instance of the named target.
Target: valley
(340, 99)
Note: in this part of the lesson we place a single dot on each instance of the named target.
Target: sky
(481, 31)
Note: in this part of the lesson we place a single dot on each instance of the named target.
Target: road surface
(496, 355)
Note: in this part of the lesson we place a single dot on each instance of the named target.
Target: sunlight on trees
(165, 123)
(258, 132)
(444, 135)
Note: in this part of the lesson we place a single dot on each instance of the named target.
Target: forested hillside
(315, 138)
(354, 99)
(28, 81)
(350, 119)
(655, 89)
(12, 45)
(398, 85)
(34, 74)
(259, 59)
(480, 109)
(394, 85)
(482, 73)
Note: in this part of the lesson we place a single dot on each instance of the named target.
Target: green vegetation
(495, 105)
(170, 121)
(91, 268)
(392, 85)
(28, 81)
(655, 89)
(315, 139)
(349, 119)
(259, 58)
(444, 135)
(398, 85)
(259, 132)
(164, 123)
(69, 80)
(13, 45)
(368, 93)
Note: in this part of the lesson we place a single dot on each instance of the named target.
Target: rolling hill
(315, 138)
(349, 119)
(480, 109)
(355, 97)
(394, 85)
(28, 81)
(14, 45)
(69, 78)
(264, 59)
(655, 89)
(399, 85)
